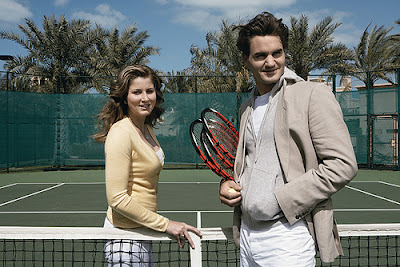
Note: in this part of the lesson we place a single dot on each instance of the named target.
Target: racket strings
(225, 141)
(221, 154)
(213, 115)
(213, 156)
(222, 128)
(221, 131)
(215, 139)
(196, 129)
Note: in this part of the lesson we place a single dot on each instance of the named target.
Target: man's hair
(261, 25)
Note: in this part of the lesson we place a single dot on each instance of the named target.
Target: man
(294, 153)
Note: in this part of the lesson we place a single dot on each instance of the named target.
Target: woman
(134, 160)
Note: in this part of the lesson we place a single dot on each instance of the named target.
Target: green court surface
(77, 198)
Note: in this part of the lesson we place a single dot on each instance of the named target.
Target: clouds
(60, 2)
(206, 15)
(12, 12)
(228, 4)
(200, 19)
(162, 2)
(103, 15)
(347, 33)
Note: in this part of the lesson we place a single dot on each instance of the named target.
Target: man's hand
(228, 197)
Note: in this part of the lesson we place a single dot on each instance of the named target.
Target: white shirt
(160, 155)
(260, 106)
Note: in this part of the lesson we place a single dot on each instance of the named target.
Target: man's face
(266, 61)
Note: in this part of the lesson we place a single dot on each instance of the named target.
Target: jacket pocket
(258, 197)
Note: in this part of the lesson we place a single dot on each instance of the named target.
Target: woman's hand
(230, 197)
(181, 231)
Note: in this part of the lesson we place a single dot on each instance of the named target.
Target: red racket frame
(204, 155)
(229, 129)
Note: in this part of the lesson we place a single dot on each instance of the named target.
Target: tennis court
(77, 198)
(75, 201)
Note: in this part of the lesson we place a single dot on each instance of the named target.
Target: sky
(175, 25)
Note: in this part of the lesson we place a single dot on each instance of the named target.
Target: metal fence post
(334, 83)
(238, 100)
(7, 125)
(369, 145)
(197, 113)
(398, 113)
(58, 125)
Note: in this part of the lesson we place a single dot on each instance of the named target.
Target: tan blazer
(316, 156)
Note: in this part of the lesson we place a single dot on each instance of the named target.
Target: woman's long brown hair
(116, 107)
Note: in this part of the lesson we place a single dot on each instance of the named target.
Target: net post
(198, 218)
(195, 254)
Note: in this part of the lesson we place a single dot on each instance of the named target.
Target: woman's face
(141, 98)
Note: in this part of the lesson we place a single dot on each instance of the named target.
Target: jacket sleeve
(336, 163)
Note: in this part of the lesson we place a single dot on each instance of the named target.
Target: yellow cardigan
(132, 172)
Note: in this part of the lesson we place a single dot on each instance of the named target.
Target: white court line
(34, 183)
(76, 183)
(379, 182)
(352, 182)
(188, 182)
(53, 212)
(9, 185)
(188, 211)
(373, 195)
(173, 211)
(62, 183)
(385, 183)
(36, 193)
(104, 211)
(374, 210)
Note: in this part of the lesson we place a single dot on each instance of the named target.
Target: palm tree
(179, 82)
(59, 50)
(394, 50)
(69, 53)
(119, 49)
(220, 58)
(308, 51)
(373, 56)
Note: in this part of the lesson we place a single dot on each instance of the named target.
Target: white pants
(279, 245)
(128, 253)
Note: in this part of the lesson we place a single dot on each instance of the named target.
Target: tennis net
(364, 245)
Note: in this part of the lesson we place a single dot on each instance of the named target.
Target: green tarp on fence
(55, 129)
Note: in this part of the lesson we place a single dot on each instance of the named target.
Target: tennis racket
(213, 150)
(196, 130)
(215, 156)
(223, 134)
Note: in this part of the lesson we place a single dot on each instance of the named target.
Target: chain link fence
(52, 128)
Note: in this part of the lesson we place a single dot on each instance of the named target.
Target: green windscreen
(56, 129)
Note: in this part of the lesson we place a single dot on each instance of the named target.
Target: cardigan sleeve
(118, 151)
